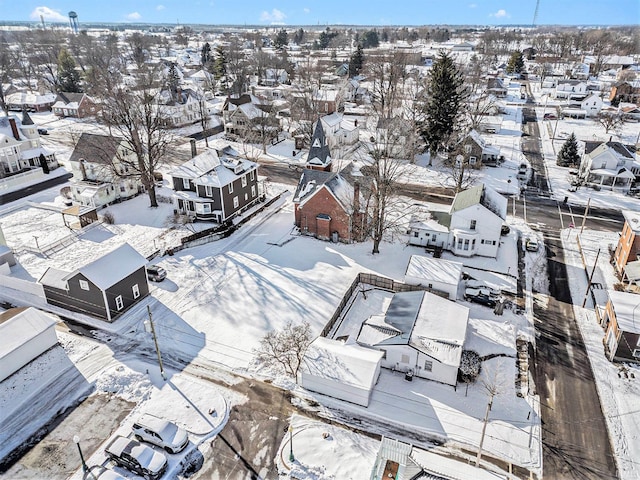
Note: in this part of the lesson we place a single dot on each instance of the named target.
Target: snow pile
(125, 383)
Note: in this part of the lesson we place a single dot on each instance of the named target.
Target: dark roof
(26, 119)
(69, 97)
(619, 148)
(95, 148)
(319, 151)
(402, 314)
(319, 177)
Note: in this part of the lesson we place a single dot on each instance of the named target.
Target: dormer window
(185, 183)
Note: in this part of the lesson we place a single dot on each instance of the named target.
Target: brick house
(625, 92)
(628, 249)
(78, 105)
(331, 206)
(621, 321)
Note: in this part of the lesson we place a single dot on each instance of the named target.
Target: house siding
(124, 288)
(89, 302)
(628, 247)
(245, 198)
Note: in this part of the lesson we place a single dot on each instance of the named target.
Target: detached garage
(435, 273)
(346, 371)
(26, 334)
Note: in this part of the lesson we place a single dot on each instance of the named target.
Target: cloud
(133, 16)
(275, 16)
(306, 10)
(502, 13)
(48, 14)
(473, 5)
(160, 7)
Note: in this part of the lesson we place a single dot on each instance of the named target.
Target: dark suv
(156, 273)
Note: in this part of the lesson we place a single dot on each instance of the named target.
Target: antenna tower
(535, 14)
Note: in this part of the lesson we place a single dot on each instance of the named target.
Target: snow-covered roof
(19, 325)
(209, 168)
(428, 268)
(109, 269)
(627, 308)
(346, 363)
(483, 195)
(633, 219)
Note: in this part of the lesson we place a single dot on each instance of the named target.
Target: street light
(76, 439)
(291, 457)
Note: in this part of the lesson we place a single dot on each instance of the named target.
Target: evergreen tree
(205, 55)
(220, 63)
(568, 154)
(516, 63)
(370, 39)
(356, 61)
(173, 79)
(68, 76)
(445, 98)
(282, 39)
(298, 36)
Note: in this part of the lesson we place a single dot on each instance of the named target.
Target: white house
(592, 104)
(26, 334)
(435, 273)
(490, 123)
(609, 165)
(421, 333)
(571, 89)
(339, 130)
(472, 226)
(21, 147)
(346, 371)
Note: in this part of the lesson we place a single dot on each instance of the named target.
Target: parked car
(550, 116)
(532, 244)
(505, 229)
(481, 298)
(156, 273)
(137, 457)
(101, 473)
(43, 131)
(160, 432)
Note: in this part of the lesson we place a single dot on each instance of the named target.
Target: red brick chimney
(14, 128)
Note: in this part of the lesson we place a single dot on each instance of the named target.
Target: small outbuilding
(26, 333)
(346, 371)
(434, 273)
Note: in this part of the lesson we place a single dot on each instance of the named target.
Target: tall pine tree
(356, 61)
(516, 63)
(568, 155)
(445, 97)
(205, 55)
(68, 76)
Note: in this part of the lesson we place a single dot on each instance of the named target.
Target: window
(252, 175)
(405, 358)
(231, 188)
(208, 191)
(235, 202)
(459, 243)
(467, 149)
(185, 183)
(473, 244)
(136, 291)
(244, 181)
(428, 365)
(384, 353)
(253, 190)
(473, 225)
(636, 352)
(415, 234)
(472, 160)
(246, 197)
(84, 285)
(119, 303)
(466, 244)
(434, 237)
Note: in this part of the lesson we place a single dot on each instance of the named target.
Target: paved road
(17, 195)
(575, 439)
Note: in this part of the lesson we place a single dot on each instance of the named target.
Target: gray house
(215, 185)
(104, 288)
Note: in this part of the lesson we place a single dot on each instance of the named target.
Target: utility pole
(584, 217)
(484, 428)
(595, 264)
(151, 328)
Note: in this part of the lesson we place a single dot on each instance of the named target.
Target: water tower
(73, 21)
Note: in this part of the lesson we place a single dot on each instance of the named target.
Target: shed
(27, 333)
(346, 371)
(84, 216)
(435, 273)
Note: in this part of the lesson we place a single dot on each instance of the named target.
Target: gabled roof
(319, 153)
(483, 195)
(339, 184)
(19, 325)
(619, 148)
(95, 148)
(26, 119)
(215, 168)
(70, 97)
(109, 269)
(627, 316)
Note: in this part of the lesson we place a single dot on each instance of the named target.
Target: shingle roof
(319, 153)
(95, 148)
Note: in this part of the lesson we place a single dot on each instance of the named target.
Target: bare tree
(137, 117)
(304, 101)
(7, 68)
(610, 121)
(205, 119)
(285, 349)
(494, 381)
(387, 74)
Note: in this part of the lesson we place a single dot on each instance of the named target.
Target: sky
(313, 12)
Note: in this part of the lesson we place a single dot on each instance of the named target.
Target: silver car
(160, 432)
(136, 457)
